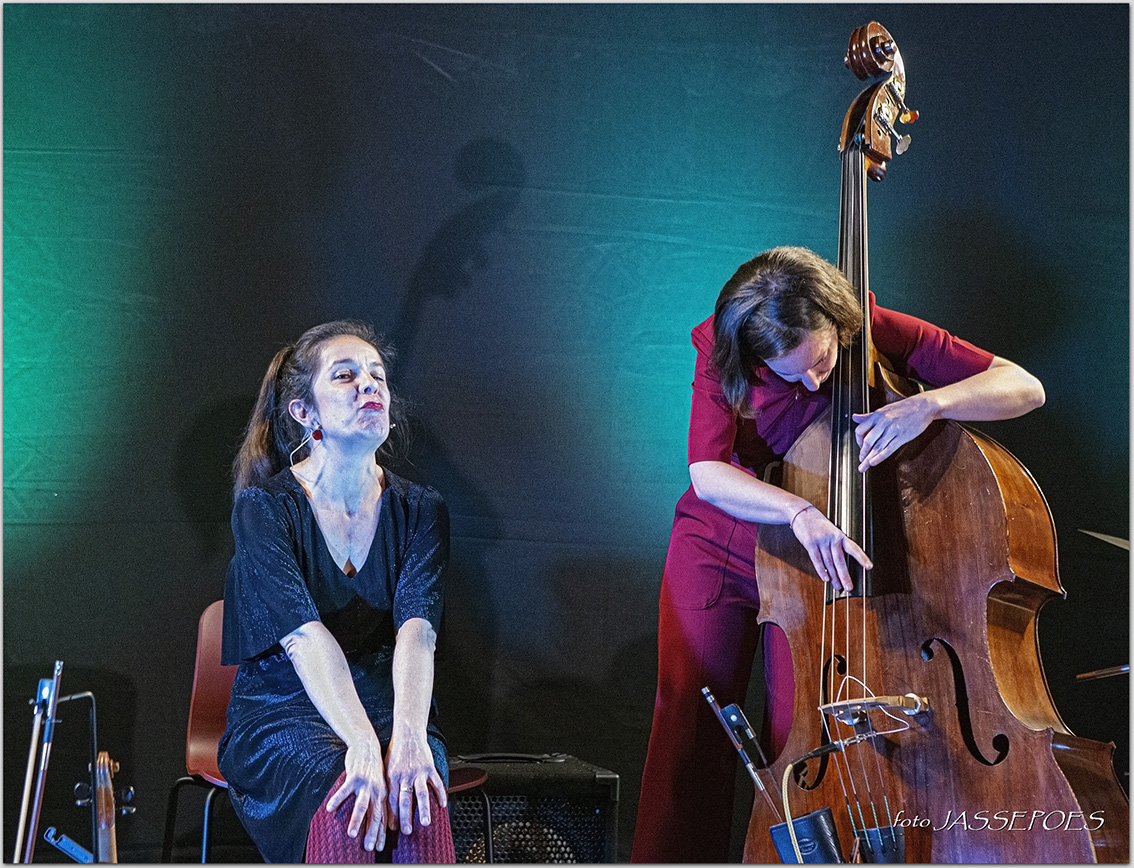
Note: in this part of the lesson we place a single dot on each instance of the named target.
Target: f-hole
(1000, 741)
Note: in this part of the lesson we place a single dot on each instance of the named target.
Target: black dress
(278, 754)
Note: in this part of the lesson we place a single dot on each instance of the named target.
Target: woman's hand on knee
(366, 781)
(411, 772)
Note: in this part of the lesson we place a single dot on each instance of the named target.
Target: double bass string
(825, 662)
(829, 656)
(855, 170)
(858, 172)
(849, 493)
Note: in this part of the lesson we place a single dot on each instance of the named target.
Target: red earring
(317, 434)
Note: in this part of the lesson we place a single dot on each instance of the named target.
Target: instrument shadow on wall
(493, 174)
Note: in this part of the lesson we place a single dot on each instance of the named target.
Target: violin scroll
(105, 769)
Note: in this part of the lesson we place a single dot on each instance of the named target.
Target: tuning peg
(902, 142)
(907, 115)
(82, 793)
(125, 796)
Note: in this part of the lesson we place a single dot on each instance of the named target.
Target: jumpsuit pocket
(706, 547)
(696, 563)
(691, 589)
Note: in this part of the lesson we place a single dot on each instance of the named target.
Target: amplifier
(545, 808)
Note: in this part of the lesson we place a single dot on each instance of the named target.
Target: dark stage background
(536, 204)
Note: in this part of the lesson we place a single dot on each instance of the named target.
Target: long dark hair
(273, 433)
(767, 308)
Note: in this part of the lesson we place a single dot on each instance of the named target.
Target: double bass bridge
(853, 711)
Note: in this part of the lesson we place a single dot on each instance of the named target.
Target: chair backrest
(208, 705)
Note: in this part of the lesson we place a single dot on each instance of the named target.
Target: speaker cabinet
(545, 808)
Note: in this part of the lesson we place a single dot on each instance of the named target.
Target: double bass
(922, 719)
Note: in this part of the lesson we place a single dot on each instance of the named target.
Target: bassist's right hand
(828, 547)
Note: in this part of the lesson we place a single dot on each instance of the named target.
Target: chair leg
(210, 804)
(171, 817)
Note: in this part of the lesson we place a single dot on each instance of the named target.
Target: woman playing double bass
(762, 376)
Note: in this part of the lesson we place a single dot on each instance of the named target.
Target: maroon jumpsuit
(707, 631)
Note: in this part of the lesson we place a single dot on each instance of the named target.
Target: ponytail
(259, 457)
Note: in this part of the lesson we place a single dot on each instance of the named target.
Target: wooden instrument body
(965, 556)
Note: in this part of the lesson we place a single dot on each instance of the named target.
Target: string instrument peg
(124, 797)
(82, 793)
(901, 142)
(906, 114)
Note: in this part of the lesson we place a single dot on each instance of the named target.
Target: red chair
(208, 705)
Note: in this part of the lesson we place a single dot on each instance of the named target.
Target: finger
(861, 436)
(864, 424)
(873, 460)
(405, 808)
(856, 551)
(860, 433)
(881, 451)
(439, 788)
(340, 796)
(378, 825)
(423, 816)
(873, 439)
(395, 793)
(817, 562)
(874, 453)
(836, 564)
(831, 568)
(361, 803)
(843, 574)
(374, 831)
(865, 461)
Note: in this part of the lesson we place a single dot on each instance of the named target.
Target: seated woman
(332, 604)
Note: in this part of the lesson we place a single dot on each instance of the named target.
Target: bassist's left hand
(880, 434)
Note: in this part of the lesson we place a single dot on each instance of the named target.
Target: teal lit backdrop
(536, 204)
